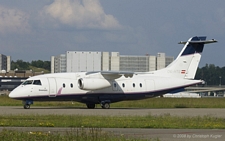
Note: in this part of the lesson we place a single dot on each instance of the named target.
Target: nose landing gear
(26, 106)
(27, 103)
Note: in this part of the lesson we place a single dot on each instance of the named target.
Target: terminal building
(5, 63)
(83, 61)
(78, 61)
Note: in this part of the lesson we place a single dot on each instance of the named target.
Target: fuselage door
(52, 87)
(115, 86)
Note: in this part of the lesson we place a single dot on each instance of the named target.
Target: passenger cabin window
(123, 85)
(37, 82)
(140, 85)
(133, 85)
(64, 85)
(27, 82)
(71, 85)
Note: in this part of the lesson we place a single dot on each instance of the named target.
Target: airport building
(5, 63)
(77, 61)
(58, 63)
(83, 61)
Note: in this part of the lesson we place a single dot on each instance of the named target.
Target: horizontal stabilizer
(198, 42)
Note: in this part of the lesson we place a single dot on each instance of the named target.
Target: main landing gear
(104, 104)
(90, 106)
(27, 103)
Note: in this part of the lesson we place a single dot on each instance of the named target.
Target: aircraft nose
(13, 93)
(17, 92)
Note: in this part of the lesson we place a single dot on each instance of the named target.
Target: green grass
(73, 135)
(147, 103)
(149, 121)
(174, 103)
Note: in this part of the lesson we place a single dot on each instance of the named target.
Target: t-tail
(186, 63)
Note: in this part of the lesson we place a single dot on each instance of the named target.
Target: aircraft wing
(112, 74)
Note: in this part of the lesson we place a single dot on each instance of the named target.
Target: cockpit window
(34, 82)
(28, 82)
(37, 82)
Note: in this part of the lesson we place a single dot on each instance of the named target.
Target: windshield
(30, 82)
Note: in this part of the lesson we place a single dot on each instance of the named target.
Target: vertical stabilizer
(186, 63)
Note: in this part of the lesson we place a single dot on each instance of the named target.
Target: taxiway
(161, 134)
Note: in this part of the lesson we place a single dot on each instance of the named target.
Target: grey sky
(38, 29)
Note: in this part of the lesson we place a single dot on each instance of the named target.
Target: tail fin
(186, 63)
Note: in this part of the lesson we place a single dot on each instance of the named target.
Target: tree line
(21, 65)
(211, 74)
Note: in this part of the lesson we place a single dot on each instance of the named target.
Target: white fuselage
(66, 85)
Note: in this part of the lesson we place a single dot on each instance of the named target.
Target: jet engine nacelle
(93, 83)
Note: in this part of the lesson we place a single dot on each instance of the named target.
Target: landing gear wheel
(90, 106)
(105, 105)
(26, 106)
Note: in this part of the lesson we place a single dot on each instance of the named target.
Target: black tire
(106, 105)
(90, 106)
(26, 106)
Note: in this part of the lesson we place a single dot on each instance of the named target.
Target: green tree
(211, 74)
(21, 65)
(47, 65)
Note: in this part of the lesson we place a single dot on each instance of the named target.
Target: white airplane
(105, 87)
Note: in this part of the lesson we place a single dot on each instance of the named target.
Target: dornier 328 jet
(105, 87)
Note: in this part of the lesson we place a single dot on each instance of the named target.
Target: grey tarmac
(161, 134)
(15, 110)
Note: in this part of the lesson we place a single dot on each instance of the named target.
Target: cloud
(13, 21)
(81, 14)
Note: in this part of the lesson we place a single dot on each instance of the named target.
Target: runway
(161, 134)
(15, 110)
